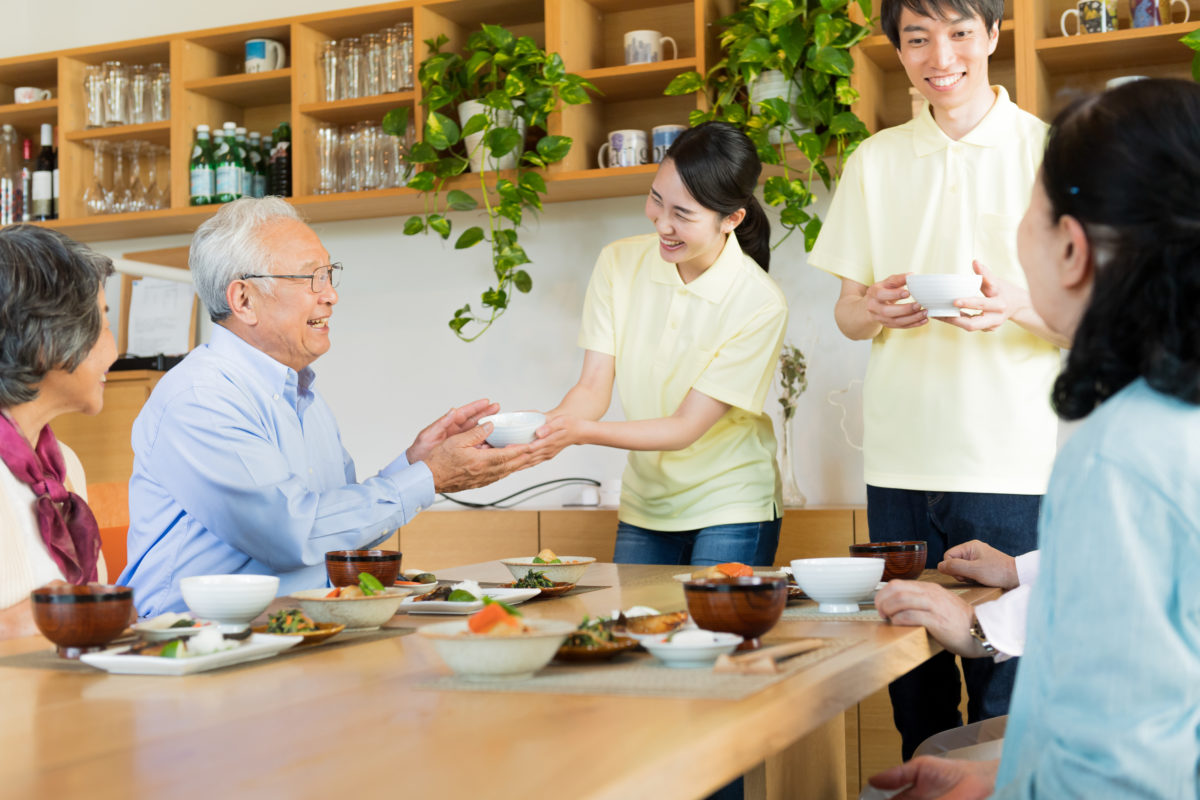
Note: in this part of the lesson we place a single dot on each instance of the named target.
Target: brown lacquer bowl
(903, 560)
(81, 619)
(343, 566)
(746, 606)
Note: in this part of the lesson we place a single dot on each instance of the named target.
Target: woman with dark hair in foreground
(1107, 699)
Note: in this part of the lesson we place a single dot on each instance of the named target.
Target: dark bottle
(42, 202)
(279, 178)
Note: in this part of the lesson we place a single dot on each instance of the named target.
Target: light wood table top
(353, 720)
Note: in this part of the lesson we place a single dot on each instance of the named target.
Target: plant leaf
(440, 224)
(533, 182)
(554, 148)
(459, 200)
(475, 124)
(422, 182)
(395, 122)
(685, 83)
(847, 123)
(833, 61)
(413, 226)
(440, 131)
(469, 238)
(501, 141)
(522, 281)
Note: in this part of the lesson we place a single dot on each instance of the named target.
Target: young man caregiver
(958, 432)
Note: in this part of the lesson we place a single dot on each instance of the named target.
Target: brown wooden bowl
(343, 566)
(901, 560)
(81, 619)
(746, 606)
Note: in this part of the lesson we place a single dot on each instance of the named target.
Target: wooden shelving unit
(1041, 69)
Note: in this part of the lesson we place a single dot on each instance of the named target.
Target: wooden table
(351, 721)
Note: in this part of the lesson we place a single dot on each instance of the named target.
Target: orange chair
(110, 504)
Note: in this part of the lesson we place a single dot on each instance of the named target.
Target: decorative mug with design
(1145, 13)
(1092, 16)
(645, 47)
(662, 137)
(626, 148)
(30, 94)
(264, 55)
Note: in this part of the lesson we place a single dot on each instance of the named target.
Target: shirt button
(276, 397)
(674, 325)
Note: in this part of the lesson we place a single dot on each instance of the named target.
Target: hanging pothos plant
(517, 85)
(809, 42)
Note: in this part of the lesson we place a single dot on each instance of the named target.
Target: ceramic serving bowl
(81, 619)
(901, 560)
(569, 571)
(325, 630)
(515, 427)
(231, 600)
(692, 648)
(746, 606)
(343, 566)
(356, 613)
(478, 657)
(937, 293)
(838, 584)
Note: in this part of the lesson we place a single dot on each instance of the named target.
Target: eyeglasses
(322, 277)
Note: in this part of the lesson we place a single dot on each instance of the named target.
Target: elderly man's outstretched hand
(459, 462)
(452, 423)
(928, 778)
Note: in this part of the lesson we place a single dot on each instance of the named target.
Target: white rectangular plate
(258, 646)
(411, 605)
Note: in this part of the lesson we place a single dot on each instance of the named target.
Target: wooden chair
(110, 504)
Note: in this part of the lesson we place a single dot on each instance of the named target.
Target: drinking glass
(119, 185)
(404, 67)
(97, 198)
(139, 95)
(328, 58)
(352, 68)
(328, 159)
(157, 194)
(345, 146)
(372, 65)
(94, 95)
(391, 60)
(353, 159)
(369, 149)
(160, 93)
(116, 93)
(136, 198)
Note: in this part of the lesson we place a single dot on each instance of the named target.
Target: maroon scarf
(67, 525)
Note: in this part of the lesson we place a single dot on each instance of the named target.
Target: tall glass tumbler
(116, 93)
(352, 68)
(404, 68)
(94, 92)
(139, 95)
(369, 154)
(372, 65)
(328, 60)
(328, 159)
(160, 93)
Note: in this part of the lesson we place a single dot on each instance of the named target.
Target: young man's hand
(946, 616)
(928, 778)
(982, 563)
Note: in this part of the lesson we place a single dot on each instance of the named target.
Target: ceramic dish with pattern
(601, 651)
(691, 648)
(258, 646)
(325, 630)
(415, 605)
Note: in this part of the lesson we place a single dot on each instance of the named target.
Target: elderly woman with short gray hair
(55, 348)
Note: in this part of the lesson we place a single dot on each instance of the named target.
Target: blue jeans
(752, 543)
(925, 701)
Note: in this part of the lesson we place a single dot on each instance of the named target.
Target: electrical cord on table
(555, 484)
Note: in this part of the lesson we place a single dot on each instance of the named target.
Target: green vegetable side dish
(534, 580)
(488, 601)
(461, 596)
(540, 560)
(171, 649)
(426, 577)
(591, 633)
(183, 623)
(369, 584)
(290, 620)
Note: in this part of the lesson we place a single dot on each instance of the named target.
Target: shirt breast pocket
(996, 246)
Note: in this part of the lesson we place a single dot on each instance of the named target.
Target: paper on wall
(160, 317)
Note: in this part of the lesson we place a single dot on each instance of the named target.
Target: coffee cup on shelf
(646, 47)
(662, 137)
(625, 148)
(30, 94)
(264, 55)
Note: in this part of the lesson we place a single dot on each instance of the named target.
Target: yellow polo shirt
(945, 409)
(719, 334)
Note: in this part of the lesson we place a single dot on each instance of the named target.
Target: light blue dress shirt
(1107, 699)
(239, 468)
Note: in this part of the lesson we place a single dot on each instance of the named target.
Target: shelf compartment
(30, 115)
(883, 54)
(1117, 49)
(247, 90)
(153, 132)
(356, 109)
(637, 80)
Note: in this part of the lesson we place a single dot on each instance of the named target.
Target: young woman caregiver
(688, 322)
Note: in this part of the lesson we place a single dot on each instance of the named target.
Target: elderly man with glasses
(238, 463)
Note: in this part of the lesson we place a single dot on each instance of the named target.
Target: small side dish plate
(257, 647)
(325, 630)
(557, 590)
(412, 605)
(602, 652)
(691, 655)
(166, 634)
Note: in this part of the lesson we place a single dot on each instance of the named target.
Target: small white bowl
(516, 427)
(937, 293)
(231, 600)
(569, 571)
(683, 650)
(838, 584)
(356, 613)
(497, 658)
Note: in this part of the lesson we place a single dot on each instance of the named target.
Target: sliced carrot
(409, 583)
(735, 569)
(487, 618)
(335, 592)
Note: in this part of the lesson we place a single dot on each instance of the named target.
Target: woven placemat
(49, 659)
(579, 589)
(807, 610)
(639, 673)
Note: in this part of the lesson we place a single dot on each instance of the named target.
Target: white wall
(395, 365)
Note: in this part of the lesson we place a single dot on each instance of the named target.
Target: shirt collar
(992, 131)
(714, 283)
(277, 378)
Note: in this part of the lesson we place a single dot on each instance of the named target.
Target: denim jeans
(752, 543)
(925, 701)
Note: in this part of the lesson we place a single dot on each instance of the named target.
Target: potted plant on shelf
(784, 79)
(793, 381)
(502, 89)
(1192, 40)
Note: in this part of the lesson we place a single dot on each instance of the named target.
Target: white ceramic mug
(626, 148)
(662, 137)
(1091, 16)
(30, 94)
(1145, 13)
(645, 47)
(264, 55)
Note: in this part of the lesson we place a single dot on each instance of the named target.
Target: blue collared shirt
(239, 468)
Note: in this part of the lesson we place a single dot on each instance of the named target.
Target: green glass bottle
(203, 176)
(229, 166)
